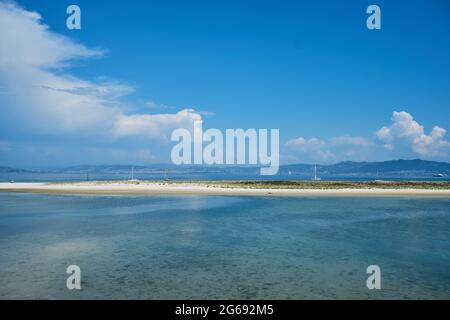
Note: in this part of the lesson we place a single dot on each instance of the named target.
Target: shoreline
(203, 188)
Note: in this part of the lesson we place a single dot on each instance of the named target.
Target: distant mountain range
(415, 167)
(401, 168)
(9, 170)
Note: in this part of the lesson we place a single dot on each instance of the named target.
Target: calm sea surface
(195, 247)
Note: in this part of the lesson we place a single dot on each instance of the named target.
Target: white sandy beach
(192, 188)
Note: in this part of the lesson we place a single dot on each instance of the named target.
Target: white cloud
(349, 140)
(207, 113)
(154, 105)
(331, 150)
(314, 148)
(302, 143)
(27, 43)
(384, 133)
(151, 104)
(404, 138)
(154, 125)
(40, 95)
(405, 131)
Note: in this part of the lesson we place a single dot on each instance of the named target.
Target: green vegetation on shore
(378, 184)
(300, 184)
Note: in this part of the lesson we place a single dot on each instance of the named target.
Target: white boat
(438, 175)
(132, 175)
(165, 176)
(316, 178)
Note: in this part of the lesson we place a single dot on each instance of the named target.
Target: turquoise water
(193, 247)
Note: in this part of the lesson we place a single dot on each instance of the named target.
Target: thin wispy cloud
(40, 93)
(312, 149)
(352, 141)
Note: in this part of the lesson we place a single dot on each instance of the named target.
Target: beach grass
(328, 185)
(293, 184)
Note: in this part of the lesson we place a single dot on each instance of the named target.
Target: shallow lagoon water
(197, 247)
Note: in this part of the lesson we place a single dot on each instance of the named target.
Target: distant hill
(11, 170)
(415, 167)
(393, 168)
(157, 168)
(98, 168)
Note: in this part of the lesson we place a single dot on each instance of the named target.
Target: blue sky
(310, 68)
